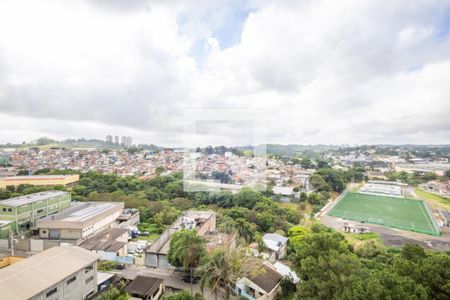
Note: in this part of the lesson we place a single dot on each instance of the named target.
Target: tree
(221, 268)
(382, 284)
(247, 198)
(413, 252)
(319, 183)
(182, 295)
(306, 163)
(114, 293)
(186, 249)
(434, 274)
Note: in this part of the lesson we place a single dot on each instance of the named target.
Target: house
(285, 271)
(276, 244)
(264, 285)
(145, 287)
(284, 193)
(66, 272)
(445, 216)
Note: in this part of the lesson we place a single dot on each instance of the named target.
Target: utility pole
(11, 235)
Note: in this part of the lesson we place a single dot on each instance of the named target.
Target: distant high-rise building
(109, 138)
(129, 141)
(116, 140)
(123, 141)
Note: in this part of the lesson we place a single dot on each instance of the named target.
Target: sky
(322, 72)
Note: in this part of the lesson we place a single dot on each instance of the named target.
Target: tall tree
(186, 250)
(221, 268)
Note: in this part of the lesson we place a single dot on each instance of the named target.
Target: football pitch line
(426, 216)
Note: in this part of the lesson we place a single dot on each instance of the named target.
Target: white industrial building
(80, 221)
(381, 189)
(57, 273)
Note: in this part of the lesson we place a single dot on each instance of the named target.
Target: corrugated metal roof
(268, 279)
(105, 241)
(27, 199)
(143, 286)
(39, 272)
(80, 212)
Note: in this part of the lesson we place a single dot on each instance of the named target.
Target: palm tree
(186, 250)
(221, 268)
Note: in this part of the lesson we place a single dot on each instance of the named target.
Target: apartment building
(20, 213)
(66, 272)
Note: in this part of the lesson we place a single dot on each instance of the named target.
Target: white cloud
(325, 71)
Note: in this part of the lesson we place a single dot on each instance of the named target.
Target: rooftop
(80, 213)
(39, 177)
(39, 272)
(273, 241)
(105, 241)
(27, 199)
(267, 279)
(143, 286)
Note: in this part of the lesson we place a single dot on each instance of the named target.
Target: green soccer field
(406, 214)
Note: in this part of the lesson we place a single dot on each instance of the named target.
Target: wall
(67, 180)
(74, 286)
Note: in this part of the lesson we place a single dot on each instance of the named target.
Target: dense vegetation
(331, 269)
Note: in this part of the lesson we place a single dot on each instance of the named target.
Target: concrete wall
(76, 286)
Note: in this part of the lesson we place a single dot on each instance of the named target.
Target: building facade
(58, 273)
(20, 214)
(40, 180)
(80, 221)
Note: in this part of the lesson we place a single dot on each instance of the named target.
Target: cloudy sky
(332, 72)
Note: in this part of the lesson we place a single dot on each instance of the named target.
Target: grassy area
(433, 199)
(106, 265)
(359, 240)
(150, 238)
(365, 236)
(406, 214)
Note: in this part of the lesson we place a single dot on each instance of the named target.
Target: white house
(264, 285)
(276, 244)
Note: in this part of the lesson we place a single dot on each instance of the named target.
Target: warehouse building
(201, 221)
(80, 221)
(40, 180)
(20, 213)
(57, 273)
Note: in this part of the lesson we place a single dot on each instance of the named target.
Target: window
(44, 231)
(89, 279)
(4, 209)
(71, 280)
(9, 209)
(51, 292)
(40, 210)
(88, 269)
